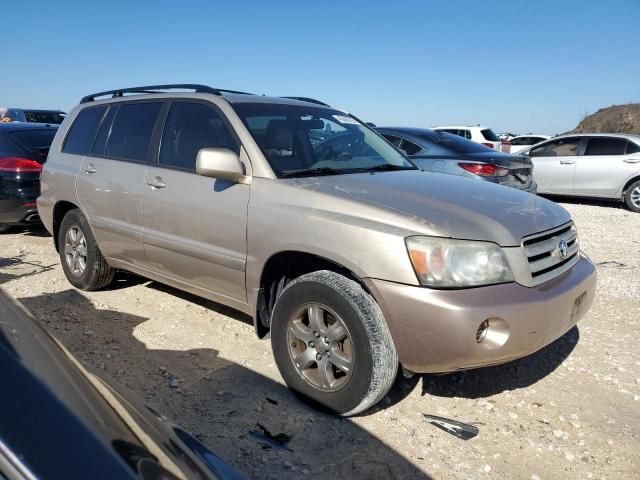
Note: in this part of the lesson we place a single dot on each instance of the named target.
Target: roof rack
(307, 99)
(154, 89)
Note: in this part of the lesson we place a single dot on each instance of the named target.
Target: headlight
(448, 263)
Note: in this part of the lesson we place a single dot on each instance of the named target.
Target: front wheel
(82, 261)
(332, 344)
(4, 227)
(632, 197)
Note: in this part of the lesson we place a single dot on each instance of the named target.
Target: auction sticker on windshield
(345, 119)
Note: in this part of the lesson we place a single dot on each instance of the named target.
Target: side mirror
(219, 163)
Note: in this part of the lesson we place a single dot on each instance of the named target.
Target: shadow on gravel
(484, 382)
(219, 401)
(595, 202)
(17, 267)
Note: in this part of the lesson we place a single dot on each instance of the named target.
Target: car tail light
(490, 145)
(19, 165)
(29, 204)
(484, 169)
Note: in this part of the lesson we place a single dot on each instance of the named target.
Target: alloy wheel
(320, 347)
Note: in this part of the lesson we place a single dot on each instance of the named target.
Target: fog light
(482, 331)
(493, 333)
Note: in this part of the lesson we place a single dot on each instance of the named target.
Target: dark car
(59, 421)
(36, 116)
(441, 152)
(23, 150)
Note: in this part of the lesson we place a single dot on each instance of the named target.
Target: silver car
(602, 165)
(355, 261)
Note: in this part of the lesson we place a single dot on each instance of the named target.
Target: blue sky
(514, 65)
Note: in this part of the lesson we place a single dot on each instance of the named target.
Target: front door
(195, 226)
(554, 165)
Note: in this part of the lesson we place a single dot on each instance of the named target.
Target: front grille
(544, 254)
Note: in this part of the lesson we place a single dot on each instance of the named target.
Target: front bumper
(435, 330)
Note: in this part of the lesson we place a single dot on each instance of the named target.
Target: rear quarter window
(83, 131)
(488, 134)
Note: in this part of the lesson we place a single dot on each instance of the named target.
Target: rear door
(111, 180)
(554, 164)
(607, 163)
(195, 226)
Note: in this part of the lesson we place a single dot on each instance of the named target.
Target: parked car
(517, 144)
(506, 135)
(476, 133)
(36, 116)
(352, 258)
(603, 165)
(23, 150)
(442, 152)
(58, 420)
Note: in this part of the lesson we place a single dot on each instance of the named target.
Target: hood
(464, 208)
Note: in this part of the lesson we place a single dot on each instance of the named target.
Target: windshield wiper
(386, 167)
(312, 172)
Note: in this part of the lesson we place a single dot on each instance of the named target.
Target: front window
(302, 141)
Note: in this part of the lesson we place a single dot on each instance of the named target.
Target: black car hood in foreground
(462, 208)
(58, 421)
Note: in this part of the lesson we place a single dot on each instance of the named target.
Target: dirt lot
(571, 410)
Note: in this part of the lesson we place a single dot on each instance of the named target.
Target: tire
(4, 227)
(632, 197)
(368, 344)
(96, 273)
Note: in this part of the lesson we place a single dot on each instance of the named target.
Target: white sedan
(517, 144)
(605, 165)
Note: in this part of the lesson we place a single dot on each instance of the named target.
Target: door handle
(155, 182)
(631, 160)
(567, 162)
(90, 168)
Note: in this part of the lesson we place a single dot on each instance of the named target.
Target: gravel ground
(571, 410)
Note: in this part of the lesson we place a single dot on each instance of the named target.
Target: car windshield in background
(443, 143)
(305, 141)
(488, 134)
(42, 116)
(34, 139)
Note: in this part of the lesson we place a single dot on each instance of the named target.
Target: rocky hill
(614, 119)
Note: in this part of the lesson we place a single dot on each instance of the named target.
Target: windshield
(438, 143)
(304, 141)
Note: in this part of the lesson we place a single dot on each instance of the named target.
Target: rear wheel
(82, 261)
(332, 344)
(632, 197)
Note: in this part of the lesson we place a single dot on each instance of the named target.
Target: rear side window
(488, 134)
(83, 131)
(131, 131)
(189, 127)
(409, 147)
(606, 146)
(633, 148)
(519, 141)
(393, 140)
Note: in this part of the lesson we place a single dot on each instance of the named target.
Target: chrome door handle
(567, 162)
(155, 182)
(631, 160)
(90, 168)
